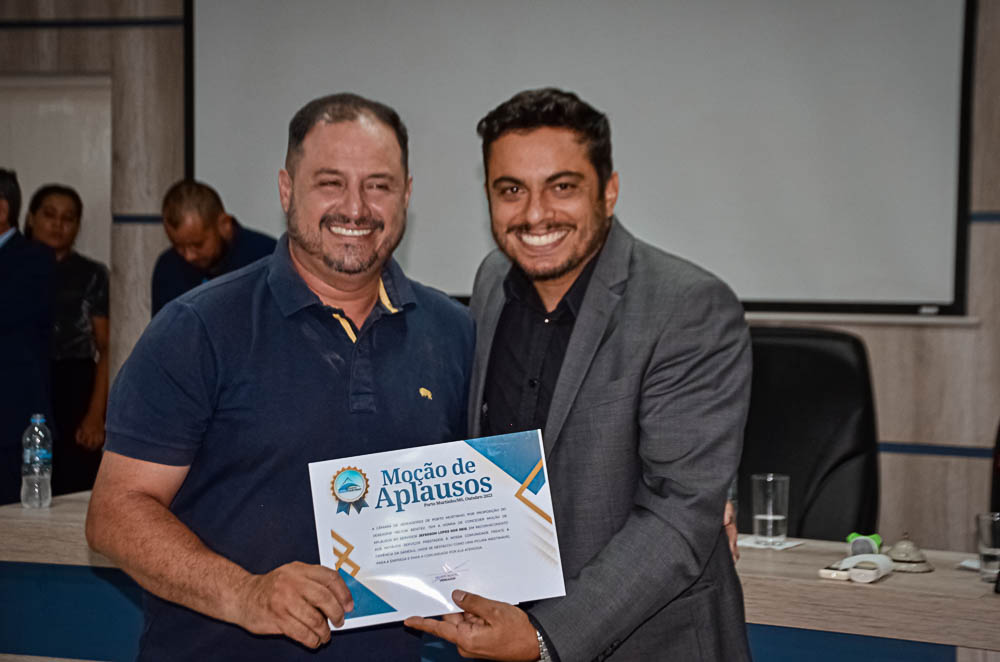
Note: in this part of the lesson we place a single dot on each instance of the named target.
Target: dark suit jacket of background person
(643, 437)
(26, 282)
(173, 275)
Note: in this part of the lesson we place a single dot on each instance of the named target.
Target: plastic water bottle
(36, 465)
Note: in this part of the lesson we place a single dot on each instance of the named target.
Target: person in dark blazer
(636, 366)
(26, 281)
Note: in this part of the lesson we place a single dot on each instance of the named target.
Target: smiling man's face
(548, 212)
(346, 197)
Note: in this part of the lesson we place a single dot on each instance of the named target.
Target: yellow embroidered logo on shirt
(424, 393)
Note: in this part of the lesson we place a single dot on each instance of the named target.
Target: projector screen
(806, 151)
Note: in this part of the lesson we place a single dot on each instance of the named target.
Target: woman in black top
(79, 340)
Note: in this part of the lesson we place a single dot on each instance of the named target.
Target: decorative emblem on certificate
(349, 487)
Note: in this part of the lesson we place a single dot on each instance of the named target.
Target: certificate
(405, 528)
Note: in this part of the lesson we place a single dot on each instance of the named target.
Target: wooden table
(49, 535)
(947, 606)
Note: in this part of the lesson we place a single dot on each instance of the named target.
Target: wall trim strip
(91, 23)
(132, 219)
(931, 449)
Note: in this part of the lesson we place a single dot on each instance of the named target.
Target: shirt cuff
(148, 451)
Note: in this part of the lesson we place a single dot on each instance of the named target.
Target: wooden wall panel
(923, 377)
(148, 111)
(135, 247)
(147, 8)
(933, 498)
(89, 9)
(922, 382)
(984, 302)
(147, 156)
(985, 148)
(972, 655)
(55, 51)
(54, 9)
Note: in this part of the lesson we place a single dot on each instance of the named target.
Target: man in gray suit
(636, 365)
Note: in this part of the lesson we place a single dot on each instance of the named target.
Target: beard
(352, 259)
(602, 226)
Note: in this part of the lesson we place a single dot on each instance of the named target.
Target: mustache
(545, 229)
(361, 222)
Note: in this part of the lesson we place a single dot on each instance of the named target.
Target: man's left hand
(487, 629)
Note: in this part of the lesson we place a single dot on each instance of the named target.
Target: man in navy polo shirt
(206, 242)
(323, 350)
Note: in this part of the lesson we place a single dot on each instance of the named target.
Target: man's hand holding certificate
(406, 528)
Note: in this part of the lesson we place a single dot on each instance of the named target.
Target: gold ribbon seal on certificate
(349, 487)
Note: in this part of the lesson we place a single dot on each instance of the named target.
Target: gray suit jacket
(642, 439)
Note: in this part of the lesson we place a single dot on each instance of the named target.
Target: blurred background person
(26, 272)
(207, 242)
(79, 347)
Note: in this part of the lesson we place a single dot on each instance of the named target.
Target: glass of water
(988, 539)
(770, 508)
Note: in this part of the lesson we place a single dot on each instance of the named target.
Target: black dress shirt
(527, 353)
(81, 294)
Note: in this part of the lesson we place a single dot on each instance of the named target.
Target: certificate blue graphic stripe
(366, 603)
(516, 454)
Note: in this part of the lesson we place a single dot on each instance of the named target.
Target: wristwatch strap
(543, 650)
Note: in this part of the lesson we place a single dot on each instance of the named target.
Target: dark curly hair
(551, 107)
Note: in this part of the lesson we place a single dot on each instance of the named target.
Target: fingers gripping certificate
(405, 528)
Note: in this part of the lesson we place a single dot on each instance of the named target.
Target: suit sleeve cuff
(553, 653)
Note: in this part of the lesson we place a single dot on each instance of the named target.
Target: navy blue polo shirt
(250, 378)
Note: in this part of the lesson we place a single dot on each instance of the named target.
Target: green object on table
(859, 544)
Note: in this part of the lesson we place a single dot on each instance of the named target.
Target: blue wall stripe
(985, 217)
(929, 449)
(69, 611)
(92, 23)
(771, 643)
(136, 218)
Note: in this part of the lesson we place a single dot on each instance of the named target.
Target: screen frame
(959, 302)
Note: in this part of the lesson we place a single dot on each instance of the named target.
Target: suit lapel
(485, 330)
(603, 293)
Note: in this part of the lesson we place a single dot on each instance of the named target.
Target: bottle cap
(38, 418)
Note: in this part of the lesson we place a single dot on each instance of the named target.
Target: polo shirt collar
(292, 294)
(395, 289)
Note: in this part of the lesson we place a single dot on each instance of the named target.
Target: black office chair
(812, 416)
